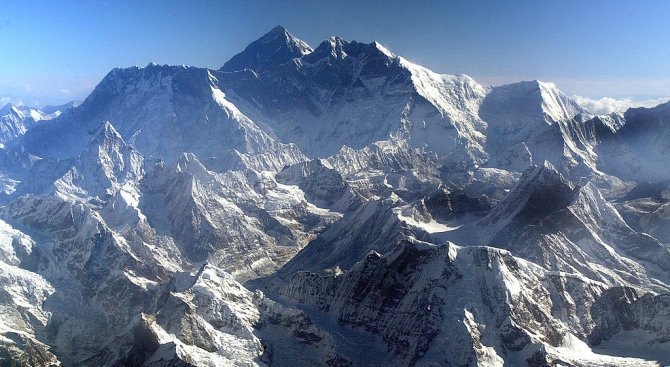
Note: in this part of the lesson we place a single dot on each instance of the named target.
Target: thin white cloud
(15, 101)
(608, 105)
(52, 92)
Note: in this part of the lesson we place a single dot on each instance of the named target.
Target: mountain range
(331, 206)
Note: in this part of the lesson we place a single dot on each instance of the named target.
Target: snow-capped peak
(11, 109)
(337, 45)
(383, 49)
(339, 49)
(105, 133)
(403, 161)
(530, 95)
(274, 48)
(555, 103)
(189, 163)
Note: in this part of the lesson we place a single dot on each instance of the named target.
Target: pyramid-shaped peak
(106, 133)
(189, 163)
(272, 49)
(278, 33)
(546, 173)
(383, 49)
(544, 179)
(541, 190)
(277, 30)
(10, 108)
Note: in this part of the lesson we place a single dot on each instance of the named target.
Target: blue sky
(56, 51)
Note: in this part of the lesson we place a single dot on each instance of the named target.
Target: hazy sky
(55, 51)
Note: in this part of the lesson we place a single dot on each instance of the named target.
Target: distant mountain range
(331, 206)
(16, 120)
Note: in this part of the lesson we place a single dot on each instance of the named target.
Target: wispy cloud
(607, 105)
(52, 91)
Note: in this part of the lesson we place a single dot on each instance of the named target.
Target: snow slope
(332, 206)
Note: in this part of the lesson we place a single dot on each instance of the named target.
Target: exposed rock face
(634, 147)
(621, 314)
(564, 227)
(323, 185)
(357, 94)
(273, 49)
(164, 111)
(377, 213)
(459, 292)
(447, 205)
(374, 226)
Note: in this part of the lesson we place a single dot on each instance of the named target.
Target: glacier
(331, 206)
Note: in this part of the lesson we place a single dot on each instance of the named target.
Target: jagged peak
(272, 49)
(189, 163)
(150, 69)
(11, 108)
(164, 67)
(106, 133)
(104, 159)
(338, 48)
(336, 41)
(186, 158)
(544, 173)
(540, 190)
(383, 49)
(613, 121)
(282, 34)
(278, 31)
(546, 166)
(120, 81)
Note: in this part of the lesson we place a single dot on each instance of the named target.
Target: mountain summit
(337, 206)
(274, 48)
